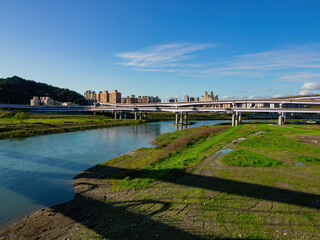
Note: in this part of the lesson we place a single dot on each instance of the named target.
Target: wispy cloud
(167, 55)
(288, 63)
(300, 76)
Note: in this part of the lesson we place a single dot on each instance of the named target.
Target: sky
(165, 48)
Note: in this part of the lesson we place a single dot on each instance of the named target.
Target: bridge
(280, 106)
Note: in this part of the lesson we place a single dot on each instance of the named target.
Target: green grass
(40, 124)
(191, 155)
(6, 118)
(237, 202)
(280, 139)
(245, 158)
(308, 159)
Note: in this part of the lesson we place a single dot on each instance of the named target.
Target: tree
(21, 116)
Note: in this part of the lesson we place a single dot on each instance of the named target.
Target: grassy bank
(184, 188)
(39, 124)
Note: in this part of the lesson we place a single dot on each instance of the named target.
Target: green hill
(16, 90)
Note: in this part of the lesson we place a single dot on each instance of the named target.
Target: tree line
(16, 90)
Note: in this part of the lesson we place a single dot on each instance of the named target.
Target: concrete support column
(120, 115)
(186, 118)
(233, 122)
(181, 118)
(115, 115)
(125, 115)
(135, 116)
(280, 119)
(237, 119)
(94, 113)
(140, 115)
(145, 115)
(284, 118)
(177, 118)
(240, 118)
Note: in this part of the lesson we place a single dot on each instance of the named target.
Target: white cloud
(311, 86)
(171, 58)
(304, 92)
(167, 55)
(290, 57)
(308, 87)
(224, 97)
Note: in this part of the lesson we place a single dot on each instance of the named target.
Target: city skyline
(239, 49)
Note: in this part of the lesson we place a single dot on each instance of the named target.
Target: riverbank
(183, 189)
(41, 124)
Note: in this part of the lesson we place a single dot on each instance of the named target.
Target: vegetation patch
(26, 124)
(308, 159)
(245, 158)
(180, 150)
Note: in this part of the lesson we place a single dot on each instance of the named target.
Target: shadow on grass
(143, 219)
(115, 220)
(229, 186)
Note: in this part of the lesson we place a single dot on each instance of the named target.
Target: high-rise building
(115, 97)
(35, 101)
(186, 98)
(104, 97)
(90, 96)
(99, 96)
(47, 101)
(207, 97)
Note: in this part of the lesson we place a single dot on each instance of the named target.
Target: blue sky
(237, 49)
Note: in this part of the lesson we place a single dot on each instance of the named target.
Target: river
(37, 172)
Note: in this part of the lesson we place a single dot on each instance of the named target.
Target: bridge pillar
(177, 118)
(284, 118)
(233, 122)
(115, 115)
(240, 118)
(186, 118)
(125, 115)
(120, 115)
(236, 123)
(140, 115)
(135, 116)
(280, 119)
(145, 115)
(181, 118)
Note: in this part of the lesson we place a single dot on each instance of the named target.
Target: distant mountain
(17, 90)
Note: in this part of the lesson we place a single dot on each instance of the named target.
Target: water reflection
(37, 172)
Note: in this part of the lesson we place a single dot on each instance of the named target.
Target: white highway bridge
(280, 106)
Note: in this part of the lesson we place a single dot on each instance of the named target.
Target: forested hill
(16, 90)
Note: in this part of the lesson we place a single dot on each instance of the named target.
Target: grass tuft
(308, 159)
(245, 158)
